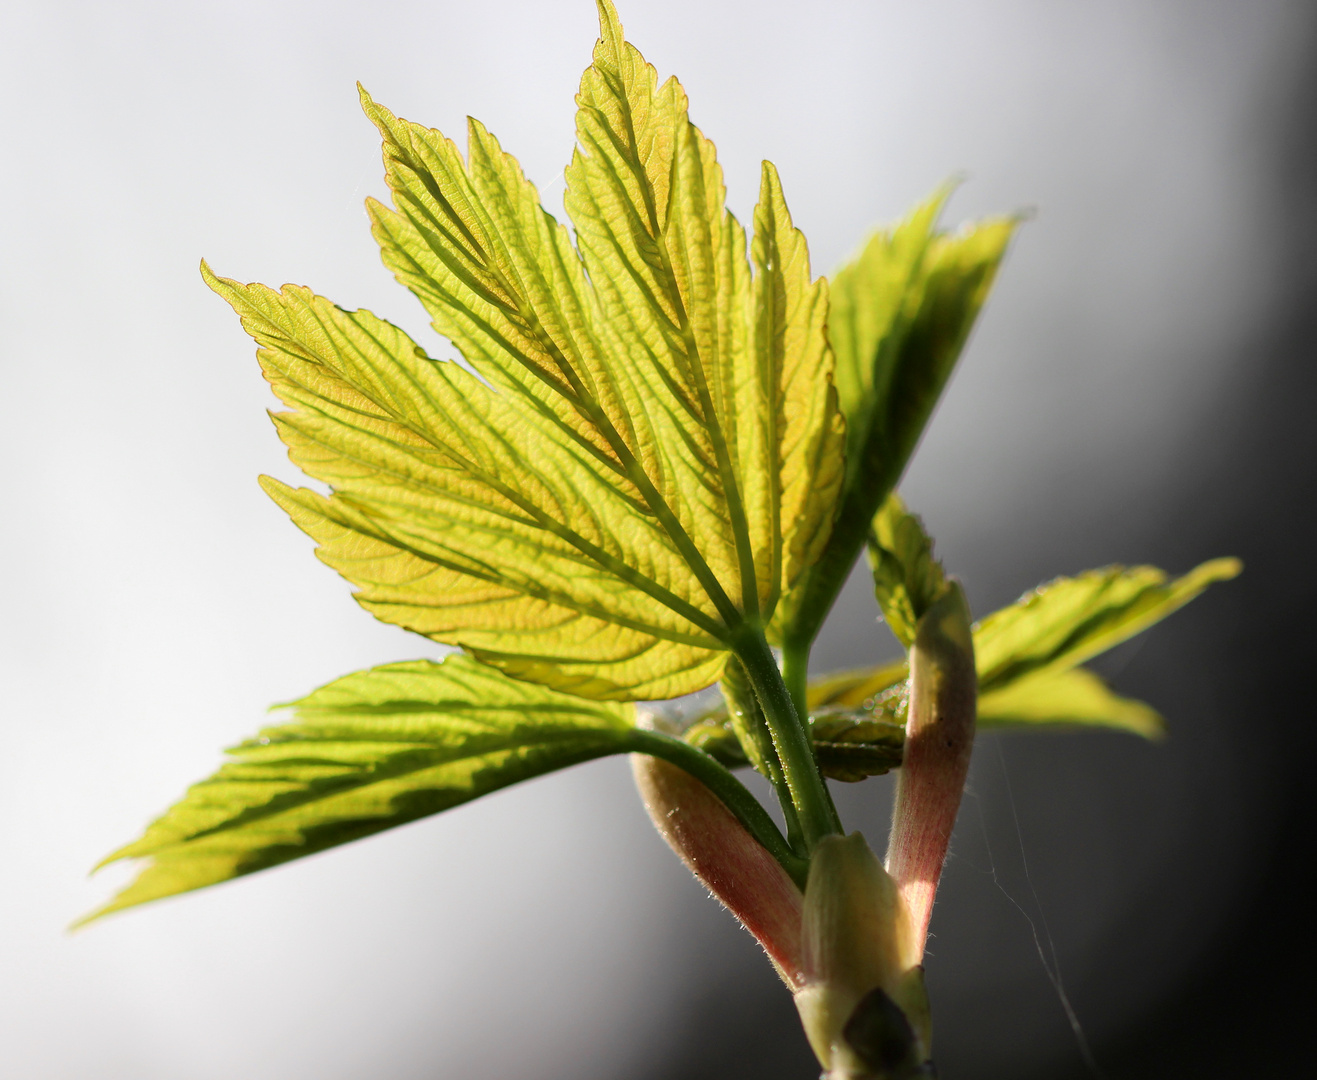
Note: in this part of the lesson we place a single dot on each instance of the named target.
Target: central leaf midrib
(731, 490)
(593, 412)
(587, 404)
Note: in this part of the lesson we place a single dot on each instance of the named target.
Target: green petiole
(809, 794)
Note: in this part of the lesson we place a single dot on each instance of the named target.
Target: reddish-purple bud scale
(731, 863)
(938, 742)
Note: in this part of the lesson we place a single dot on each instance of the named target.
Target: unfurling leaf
(850, 743)
(907, 579)
(367, 752)
(854, 744)
(900, 315)
(649, 452)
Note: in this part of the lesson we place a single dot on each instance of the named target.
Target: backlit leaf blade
(650, 450)
(367, 752)
(873, 299)
(442, 526)
(900, 315)
(497, 274)
(791, 315)
(1070, 620)
(746, 356)
(1072, 698)
(645, 194)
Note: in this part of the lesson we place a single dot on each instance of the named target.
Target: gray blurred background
(1140, 389)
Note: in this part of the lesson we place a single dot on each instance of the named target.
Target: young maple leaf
(643, 451)
(650, 461)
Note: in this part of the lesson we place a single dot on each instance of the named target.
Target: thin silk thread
(1052, 969)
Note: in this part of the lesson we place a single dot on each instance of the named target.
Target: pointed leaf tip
(365, 753)
(610, 26)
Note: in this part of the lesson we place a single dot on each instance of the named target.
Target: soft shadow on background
(1141, 389)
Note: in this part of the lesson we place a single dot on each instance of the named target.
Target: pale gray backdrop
(1136, 391)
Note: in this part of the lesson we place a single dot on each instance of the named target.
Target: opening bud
(862, 1001)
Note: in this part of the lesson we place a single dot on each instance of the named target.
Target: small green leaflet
(1027, 653)
(1074, 697)
(852, 689)
(853, 747)
(1070, 620)
(900, 314)
(367, 752)
(906, 577)
(650, 454)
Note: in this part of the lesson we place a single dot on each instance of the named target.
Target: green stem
(795, 673)
(818, 817)
(734, 795)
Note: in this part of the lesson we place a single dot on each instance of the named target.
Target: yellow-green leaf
(744, 355)
(649, 451)
(442, 525)
(851, 689)
(874, 297)
(1026, 654)
(906, 577)
(1070, 620)
(1075, 697)
(365, 753)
